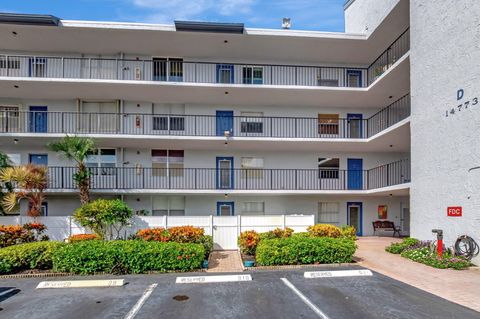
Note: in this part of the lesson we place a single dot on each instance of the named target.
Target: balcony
(141, 179)
(223, 73)
(41, 123)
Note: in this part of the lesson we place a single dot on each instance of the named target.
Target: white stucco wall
(445, 57)
(363, 16)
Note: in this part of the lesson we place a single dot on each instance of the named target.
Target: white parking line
(133, 312)
(304, 299)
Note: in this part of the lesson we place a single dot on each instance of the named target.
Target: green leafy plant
(77, 149)
(324, 230)
(348, 232)
(398, 248)
(27, 256)
(304, 250)
(132, 256)
(104, 217)
(425, 256)
(277, 233)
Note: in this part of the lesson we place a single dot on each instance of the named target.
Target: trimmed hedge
(132, 256)
(37, 255)
(304, 250)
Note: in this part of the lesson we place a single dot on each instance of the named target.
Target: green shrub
(304, 250)
(425, 256)
(348, 232)
(105, 217)
(324, 230)
(277, 233)
(207, 243)
(133, 256)
(398, 248)
(37, 255)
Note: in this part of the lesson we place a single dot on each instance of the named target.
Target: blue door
(225, 73)
(224, 122)
(38, 119)
(225, 208)
(355, 216)
(355, 173)
(224, 173)
(355, 125)
(38, 159)
(354, 78)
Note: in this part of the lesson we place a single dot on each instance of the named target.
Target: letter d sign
(460, 94)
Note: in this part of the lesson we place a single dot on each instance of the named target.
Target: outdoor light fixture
(226, 92)
(14, 33)
(15, 86)
(15, 141)
(226, 196)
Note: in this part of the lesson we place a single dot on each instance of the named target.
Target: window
(99, 116)
(328, 213)
(327, 82)
(169, 117)
(15, 159)
(13, 63)
(252, 75)
(9, 119)
(225, 73)
(252, 122)
(168, 69)
(165, 123)
(38, 67)
(102, 161)
(167, 163)
(252, 167)
(354, 78)
(328, 124)
(168, 206)
(328, 167)
(254, 208)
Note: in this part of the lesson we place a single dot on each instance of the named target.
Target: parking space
(271, 294)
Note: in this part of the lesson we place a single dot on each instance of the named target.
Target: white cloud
(169, 10)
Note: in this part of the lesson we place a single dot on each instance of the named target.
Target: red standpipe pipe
(440, 247)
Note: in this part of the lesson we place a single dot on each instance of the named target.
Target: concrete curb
(61, 274)
(296, 267)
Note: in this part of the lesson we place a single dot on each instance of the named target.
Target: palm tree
(4, 162)
(30, 182)
(77, 149)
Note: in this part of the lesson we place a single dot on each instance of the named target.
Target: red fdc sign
(454, 211)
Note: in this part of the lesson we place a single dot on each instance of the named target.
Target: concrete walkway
(225, 261)
(459, 286)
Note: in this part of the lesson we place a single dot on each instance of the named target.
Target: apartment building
(201, 118)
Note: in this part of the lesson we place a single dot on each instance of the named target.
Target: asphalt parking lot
(271, 294)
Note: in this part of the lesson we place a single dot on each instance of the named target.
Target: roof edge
(29, 19)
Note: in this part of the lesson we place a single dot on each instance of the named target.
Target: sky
(318, 15)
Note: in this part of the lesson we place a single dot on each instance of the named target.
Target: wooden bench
(385, 225)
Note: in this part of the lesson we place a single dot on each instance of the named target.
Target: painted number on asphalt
(337, 273)
(209, 279)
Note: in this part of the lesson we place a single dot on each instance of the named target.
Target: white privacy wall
(205, 205)
(445, 57)
(364, 16)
